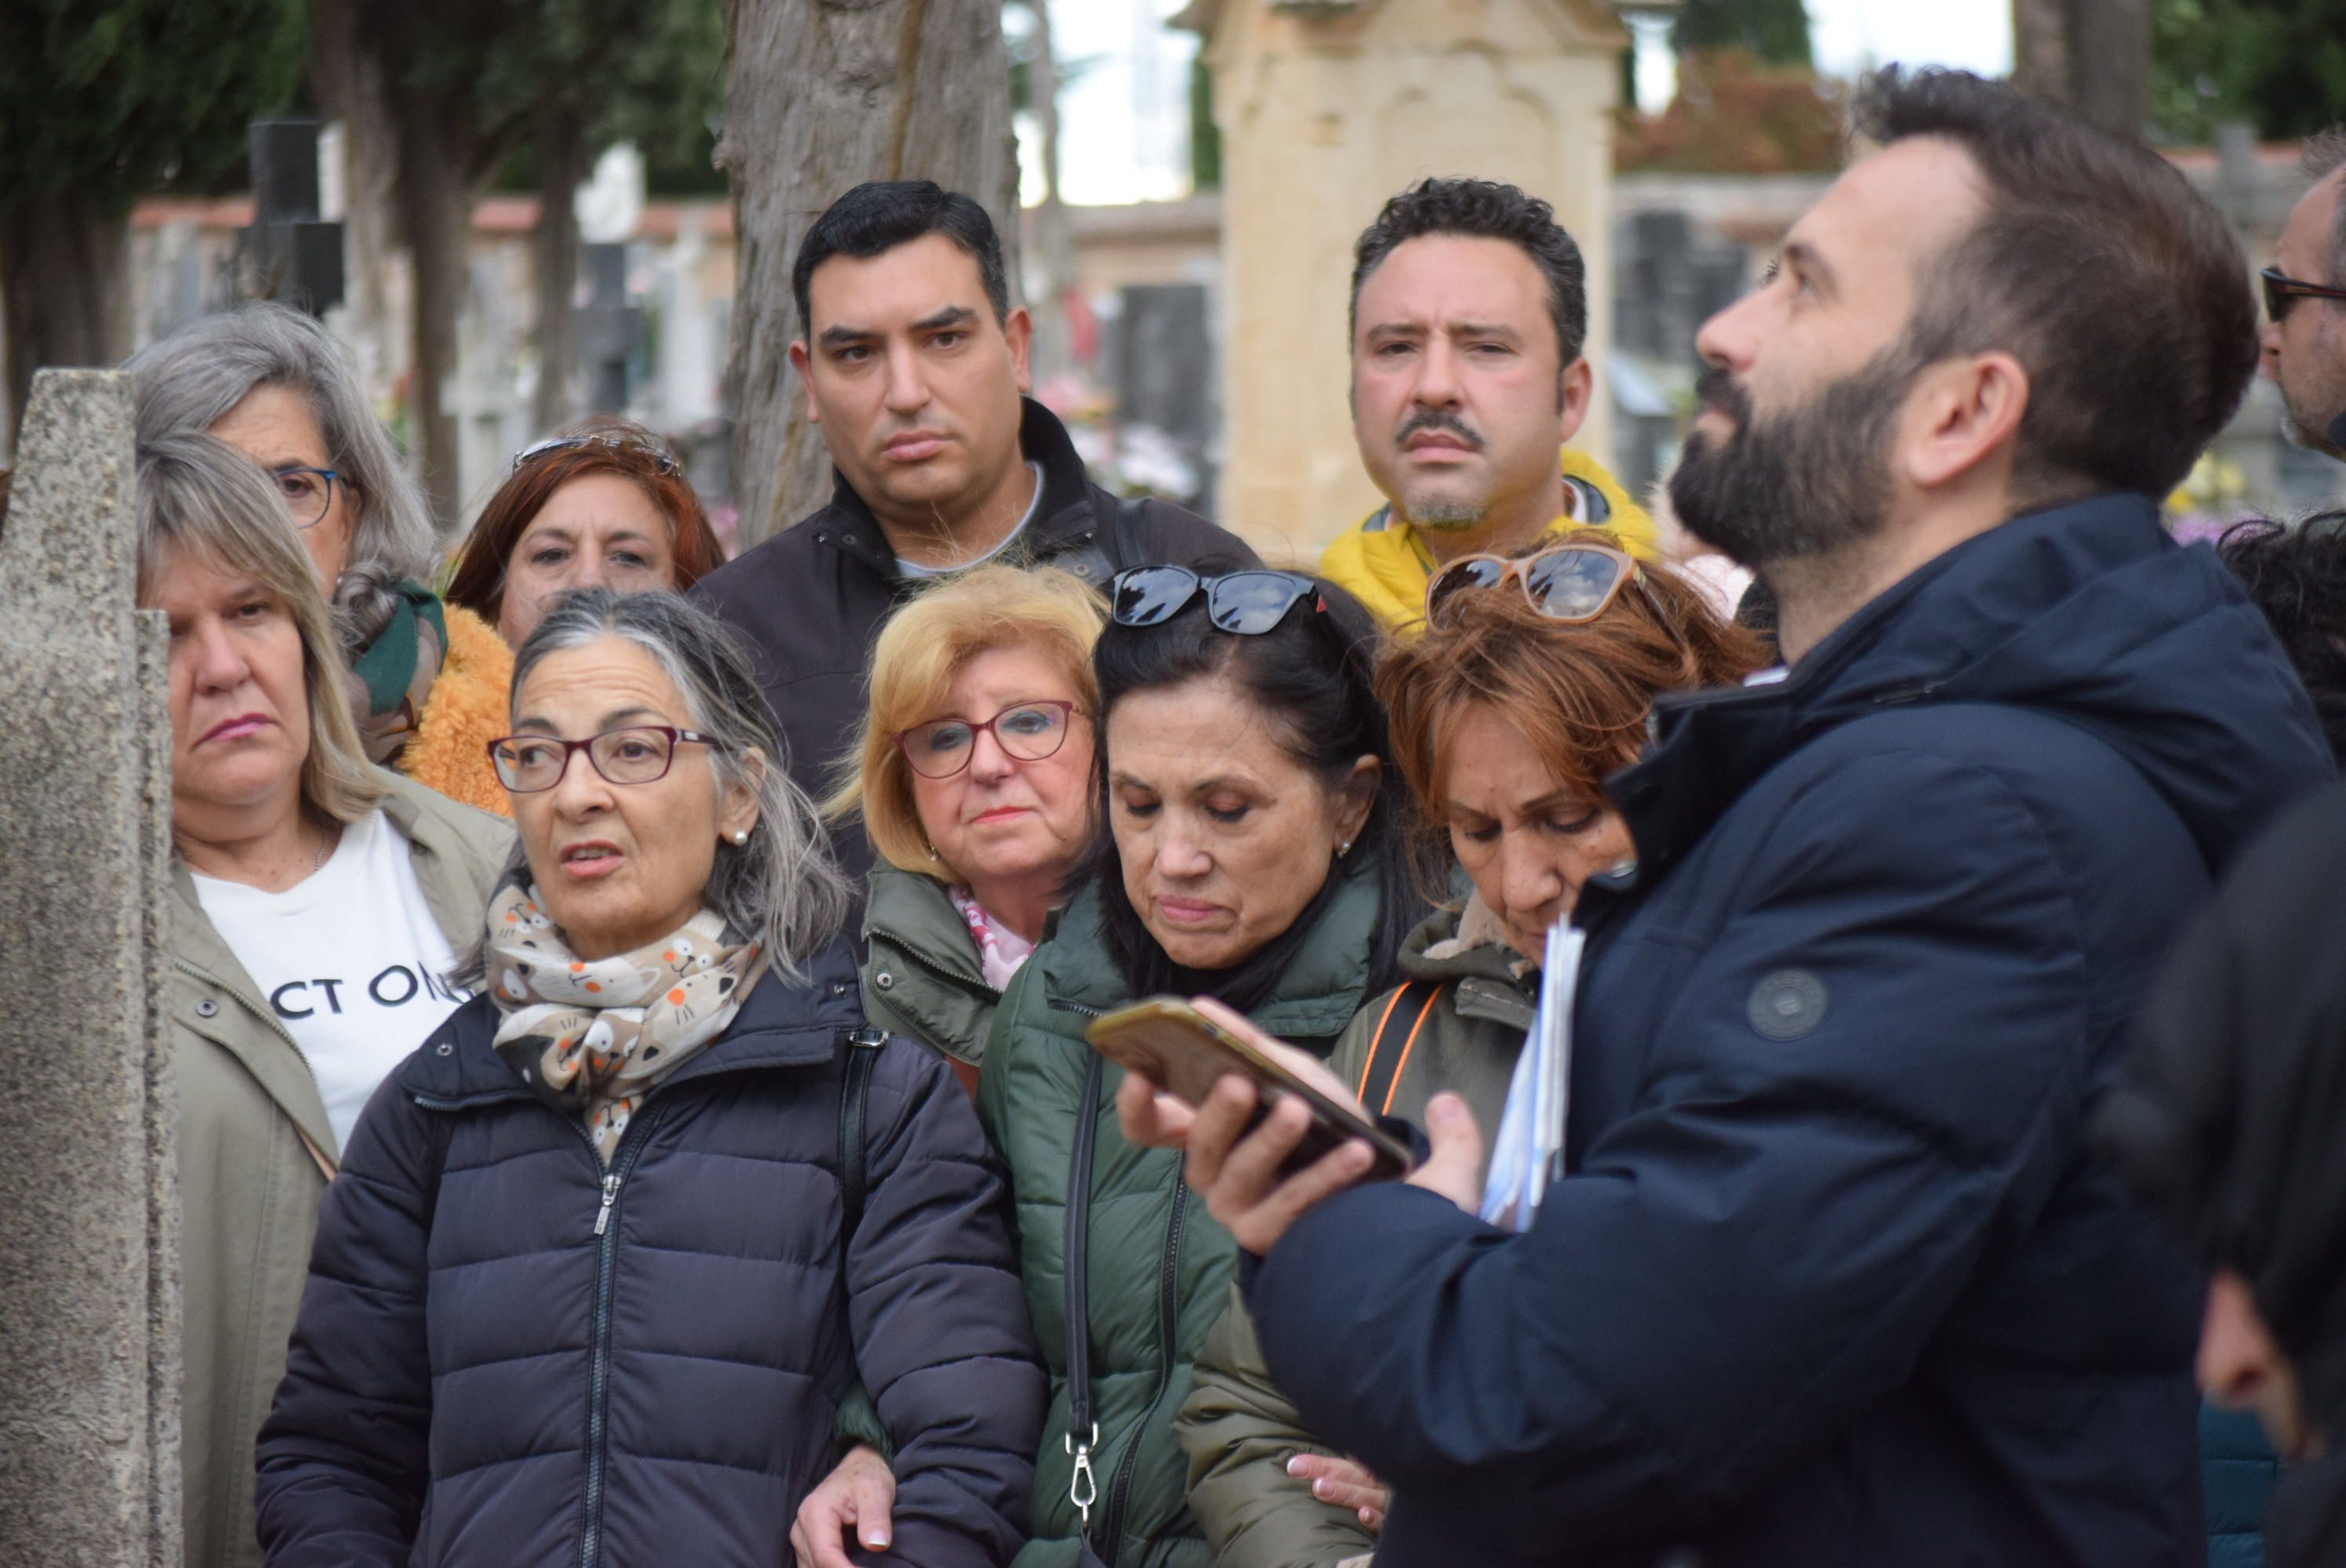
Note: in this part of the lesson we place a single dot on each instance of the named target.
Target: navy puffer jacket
(1832, 1279)
(547, 1364)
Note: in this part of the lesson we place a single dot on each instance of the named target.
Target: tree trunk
(2109, 63)
(1055, 251)
(64, 263)
(2040, 46)
(346, 79)
(562, 164)
(820, 96)
(435, 208)
(2094, 55)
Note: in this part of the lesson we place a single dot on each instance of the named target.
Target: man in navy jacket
(1831, 1281)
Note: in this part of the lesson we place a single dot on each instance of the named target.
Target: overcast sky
(1124, 119)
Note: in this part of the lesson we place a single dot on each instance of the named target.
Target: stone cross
(89, 1279)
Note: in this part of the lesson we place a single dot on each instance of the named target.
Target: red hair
(612, 446)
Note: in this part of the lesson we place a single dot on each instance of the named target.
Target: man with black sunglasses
(2304, 337)
(914, 363)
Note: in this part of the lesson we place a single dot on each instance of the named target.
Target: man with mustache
(914, 365)
(1469, 313)
(1826, 1276)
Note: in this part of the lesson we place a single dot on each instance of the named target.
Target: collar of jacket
(1313, 1000)
(915, 913)
(781, 1024)
(433, 836)
(1064, 514)
(1490, 979)
(2068, 611)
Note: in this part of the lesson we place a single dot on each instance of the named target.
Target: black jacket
(1833, 1280)
(810, 600)
(2230, 1122)
(509, 1357)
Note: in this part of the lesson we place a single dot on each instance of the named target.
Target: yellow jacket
(469, 707)
(1383, 564)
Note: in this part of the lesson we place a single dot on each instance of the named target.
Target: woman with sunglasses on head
(426, 680)
(317, 905)
(604, 505)
(1528, 681)
(1247, 848)
(613, 1243)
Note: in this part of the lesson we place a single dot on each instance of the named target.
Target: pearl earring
(742, 837)
(1343, 849)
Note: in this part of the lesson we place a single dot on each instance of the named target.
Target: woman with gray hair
(427, 680)
(615, 1243)
(317, 904)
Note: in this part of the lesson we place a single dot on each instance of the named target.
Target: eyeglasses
(1029, 731)
(1567, 583)
(307, 493)
(1246, 604)
(2282, 291)
(639, 754)
(659, 457)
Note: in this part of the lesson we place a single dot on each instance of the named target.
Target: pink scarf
(1000, 950)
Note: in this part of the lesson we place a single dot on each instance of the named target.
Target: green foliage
(1774, 32)
(2279, 64)
(1733, 116)
(115, 98)
(650, 72)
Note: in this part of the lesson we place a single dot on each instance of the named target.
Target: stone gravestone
(89, 1283)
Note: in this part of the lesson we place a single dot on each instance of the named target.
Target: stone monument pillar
(89, 1280)
(1327, 107)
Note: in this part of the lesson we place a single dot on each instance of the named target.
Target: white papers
(1528, 1151)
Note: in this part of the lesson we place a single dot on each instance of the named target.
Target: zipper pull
(610, 1196)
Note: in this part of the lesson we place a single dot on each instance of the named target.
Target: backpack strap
(1380, 1073)
(854, 1091)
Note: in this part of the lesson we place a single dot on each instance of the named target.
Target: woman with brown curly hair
(1531, 682)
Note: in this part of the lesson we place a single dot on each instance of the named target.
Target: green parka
(254, 1149)
(920, 973)
(1459, 1024)
(1160, 1267)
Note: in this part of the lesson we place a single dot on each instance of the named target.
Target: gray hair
(191, 379)
(200, 496)
(780, 887)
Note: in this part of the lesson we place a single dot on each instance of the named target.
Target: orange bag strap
(1377, 1088)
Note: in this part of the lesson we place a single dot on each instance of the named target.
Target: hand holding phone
(1184, 1052)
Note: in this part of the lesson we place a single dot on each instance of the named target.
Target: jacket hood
(2088, 613)
(1378, 561)
(780, 1024)
(1465, 944)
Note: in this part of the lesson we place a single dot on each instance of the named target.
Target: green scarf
(387, 665)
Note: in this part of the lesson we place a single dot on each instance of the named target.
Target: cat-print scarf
(591, 1037)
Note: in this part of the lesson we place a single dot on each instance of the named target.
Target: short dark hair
(2297, 576)
(881, 214)
(1483, 209)
(2118, 287)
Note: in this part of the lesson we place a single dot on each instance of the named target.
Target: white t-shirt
(350, 959)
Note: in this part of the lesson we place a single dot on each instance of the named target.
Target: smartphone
(1183, 1052)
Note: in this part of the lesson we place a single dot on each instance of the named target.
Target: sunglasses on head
(658, 457)
(1567, 583)
(1246, 604)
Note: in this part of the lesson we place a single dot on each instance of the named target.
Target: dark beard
(1803, 484)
